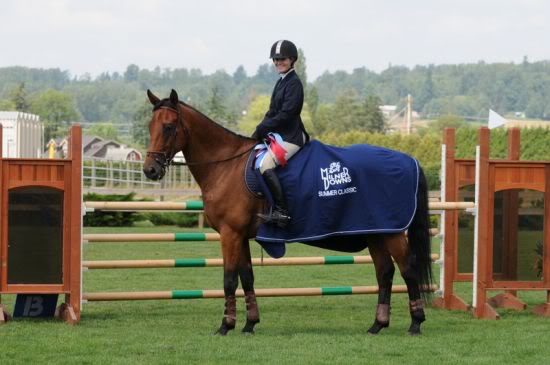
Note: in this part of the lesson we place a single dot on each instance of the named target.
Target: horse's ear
(152, 98)
(174, 99)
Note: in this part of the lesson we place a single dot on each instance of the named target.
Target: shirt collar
(284, 75)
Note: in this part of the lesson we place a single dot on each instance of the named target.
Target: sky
(95, 36)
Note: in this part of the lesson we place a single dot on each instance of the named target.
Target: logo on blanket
(336, 175)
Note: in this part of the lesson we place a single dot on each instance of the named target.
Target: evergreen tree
(239, 75)
(374, 120)
(301, 68)
(266, 73)
(345, 113)
(132, 73)
(215, 107)
(312, 100)
(18, 97)
(140, 124)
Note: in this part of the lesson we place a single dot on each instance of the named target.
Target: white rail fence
(111, 176)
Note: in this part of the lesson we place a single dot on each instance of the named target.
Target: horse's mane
(167, 103)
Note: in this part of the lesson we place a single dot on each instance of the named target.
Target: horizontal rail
(122, 181)
(271, 292)
(150, 237)
(451, 205)
(131, 206)
(198, 205)
(163, 237)
(201, 262)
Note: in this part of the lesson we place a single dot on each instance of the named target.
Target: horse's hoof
(249, 327)
(223, 330)
(414, 330)
(377, 327)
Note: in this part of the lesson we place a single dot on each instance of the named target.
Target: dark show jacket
(283, 116)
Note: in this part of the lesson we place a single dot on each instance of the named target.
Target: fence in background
(122, 177)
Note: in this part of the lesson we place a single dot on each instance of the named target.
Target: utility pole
(408, 115)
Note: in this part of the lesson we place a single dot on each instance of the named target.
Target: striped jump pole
(163, 237)
(272, 292)
(198, 205)
(201, 262)
(150, 237)
(451, 205)
(135, 206)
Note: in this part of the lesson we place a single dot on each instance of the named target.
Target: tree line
(334, 102)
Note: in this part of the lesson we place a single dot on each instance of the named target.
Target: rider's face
(282, 64)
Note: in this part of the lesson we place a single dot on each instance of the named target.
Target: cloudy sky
(107, 35)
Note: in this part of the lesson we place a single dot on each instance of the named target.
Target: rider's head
(284, 54)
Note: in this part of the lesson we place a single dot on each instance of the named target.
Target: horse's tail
(419, 238)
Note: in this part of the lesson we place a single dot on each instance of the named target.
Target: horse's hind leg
(247, 281)
(384, 275)
(399, 249)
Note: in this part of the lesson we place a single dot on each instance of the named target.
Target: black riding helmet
(283, 49)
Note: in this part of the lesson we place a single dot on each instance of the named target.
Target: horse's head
(165, 126)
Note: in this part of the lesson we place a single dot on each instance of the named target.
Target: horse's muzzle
(153, 171)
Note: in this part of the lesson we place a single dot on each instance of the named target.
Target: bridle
(165, 161)
(162, 157)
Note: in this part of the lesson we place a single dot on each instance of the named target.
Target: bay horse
(216, 157)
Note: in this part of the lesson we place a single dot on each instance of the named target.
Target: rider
(282, 118)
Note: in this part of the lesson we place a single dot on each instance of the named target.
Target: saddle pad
(252, 178)
(334, 192)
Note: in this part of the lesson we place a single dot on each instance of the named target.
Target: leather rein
(165, 161)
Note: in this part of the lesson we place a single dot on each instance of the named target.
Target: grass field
(293, 330)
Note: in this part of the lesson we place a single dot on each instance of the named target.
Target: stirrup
(277, 217)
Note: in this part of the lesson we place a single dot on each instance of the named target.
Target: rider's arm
(290, 110)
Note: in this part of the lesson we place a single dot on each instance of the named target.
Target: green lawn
(293, 330)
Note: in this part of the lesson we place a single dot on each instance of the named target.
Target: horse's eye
(168, 129)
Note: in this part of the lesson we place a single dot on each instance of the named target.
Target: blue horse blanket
(335, 192)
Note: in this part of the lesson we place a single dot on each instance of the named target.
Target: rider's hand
(260, 133)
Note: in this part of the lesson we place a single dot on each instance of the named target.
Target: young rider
(282, 127)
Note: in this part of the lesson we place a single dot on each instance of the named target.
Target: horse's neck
(206, 142)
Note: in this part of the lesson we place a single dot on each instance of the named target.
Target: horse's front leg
(231, 249)
(247, 281)
(385, 269)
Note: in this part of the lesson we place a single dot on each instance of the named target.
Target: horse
(216, 157)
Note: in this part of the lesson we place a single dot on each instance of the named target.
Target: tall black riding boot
(279, 212)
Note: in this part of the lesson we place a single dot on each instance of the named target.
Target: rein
(210, 162)
(162, 157)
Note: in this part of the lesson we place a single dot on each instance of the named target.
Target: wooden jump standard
(506, 176)
(489, 177)
(45, 252)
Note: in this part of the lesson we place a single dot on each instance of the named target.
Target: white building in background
(23, 135)
(388, 111)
